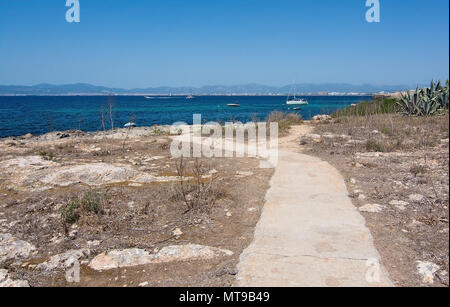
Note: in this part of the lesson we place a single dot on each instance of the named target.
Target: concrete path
(309, 234)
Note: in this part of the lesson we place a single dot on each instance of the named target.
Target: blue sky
(143, 43)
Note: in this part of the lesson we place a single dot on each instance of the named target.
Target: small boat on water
(189, 97)
(297, 101)
(297, 109)
(147, 97)
(129, 125)
(233, 105)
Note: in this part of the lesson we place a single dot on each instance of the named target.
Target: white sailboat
(296, 101)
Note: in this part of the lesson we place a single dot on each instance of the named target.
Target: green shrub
(70, 213)
(284, 120)
(374, 146)
(90, 202)
(386, 131)
(366, 108)
(48, 156)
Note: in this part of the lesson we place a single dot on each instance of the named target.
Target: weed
(373, 146)
(48, 156)
(89, 203)
(284, 120)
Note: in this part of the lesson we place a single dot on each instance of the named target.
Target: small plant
(48, 156)
(160, 132)
(386, 131)
(70, 213)
(90, 202)
(197, 192)
(418, 169)
(284, 120)
(374, 146)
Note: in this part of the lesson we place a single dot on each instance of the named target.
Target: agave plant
(426, 101)
(409, 103)
(443, 97)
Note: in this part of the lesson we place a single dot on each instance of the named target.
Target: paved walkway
(309, 234)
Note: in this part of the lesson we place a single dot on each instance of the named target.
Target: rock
(28, 136)
(399, 204)
(375, 132)
(322, 119)
(93, 243)
(177, 232)
(329, 135)
(12, 248)
(134, 257)
(345, 137)
(251, 209)
(135, 185)
(64, 260)
(7, 282)
(73, 233)
(229, 214)
(371, 208)
(143, 284)
(154, 158)
(416, 198)
(352, 180)
(414, 223)
(240, 174)
(427, 270)
(362, 197)
(315, 137)
(358, 165)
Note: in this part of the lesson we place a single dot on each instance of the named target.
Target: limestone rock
(13, 248)
(322, 119)
(362, 197)
(177, 232)
(399, 204)
(371, 208)
(315, 137)
(64, 260)
(416, 198)
(241, 174)
(427, 270)
(134, 257)
(7, 282)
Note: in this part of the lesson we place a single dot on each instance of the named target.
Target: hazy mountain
(83, 88)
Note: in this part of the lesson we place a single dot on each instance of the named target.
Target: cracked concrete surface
(309, 234)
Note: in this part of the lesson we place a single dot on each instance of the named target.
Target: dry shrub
(284, 120)
(90, 203)
(200, 191)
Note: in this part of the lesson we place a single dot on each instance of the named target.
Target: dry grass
(284, 120)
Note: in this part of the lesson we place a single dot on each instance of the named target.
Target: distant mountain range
(257, 89)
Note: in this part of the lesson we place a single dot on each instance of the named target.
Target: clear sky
(143, 43)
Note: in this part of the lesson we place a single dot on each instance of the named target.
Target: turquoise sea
(20, 115)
